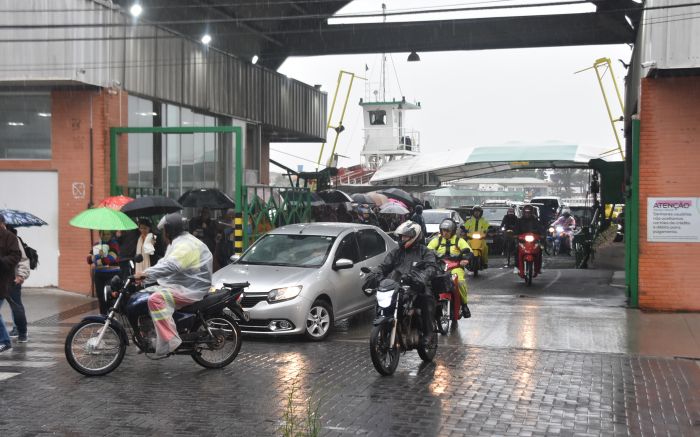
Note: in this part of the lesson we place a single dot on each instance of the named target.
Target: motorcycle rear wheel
(443, 315)
(384, 357)
(86, 356)
(427, 354)
(228, 342)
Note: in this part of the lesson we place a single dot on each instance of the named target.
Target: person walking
(10, 255)
(19, 317)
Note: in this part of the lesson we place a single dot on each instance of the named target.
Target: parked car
(303, 277)
(433, 217)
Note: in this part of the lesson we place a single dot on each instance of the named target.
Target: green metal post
(632, 224)
(239, 184)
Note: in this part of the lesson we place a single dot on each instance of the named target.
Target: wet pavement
(563, 357)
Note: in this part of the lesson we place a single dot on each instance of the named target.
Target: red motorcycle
(529, 256)
(446, 286)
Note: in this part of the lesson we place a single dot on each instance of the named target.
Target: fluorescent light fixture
(255, 59)
(135, 10)
(147, 114)
(15, 123)
(44, 114)
(206, 39)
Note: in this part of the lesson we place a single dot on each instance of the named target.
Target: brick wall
(71, 112)
(669, 165)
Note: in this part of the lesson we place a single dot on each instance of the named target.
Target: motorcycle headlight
(560, 229)
(476, 236)
(529, 238)
(551, 230)
(285, 293)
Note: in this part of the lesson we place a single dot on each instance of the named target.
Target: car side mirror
(235, 258)
(342, 264)
(365, 270)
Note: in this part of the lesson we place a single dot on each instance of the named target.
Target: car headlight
(286, 293)
(476, 236)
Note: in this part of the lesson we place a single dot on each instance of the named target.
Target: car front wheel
(319, 320)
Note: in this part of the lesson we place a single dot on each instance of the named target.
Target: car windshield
(289, 250)
(433, 217)
(552, 204)
(494, 214)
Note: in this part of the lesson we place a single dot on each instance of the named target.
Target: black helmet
(528, 208)
(448, 225)
(173, 225)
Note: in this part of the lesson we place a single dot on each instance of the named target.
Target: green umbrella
(103, 219)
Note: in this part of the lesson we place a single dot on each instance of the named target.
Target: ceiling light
(135, 10)
(15, 123)
(147, 114)
(206, 39)
(44, 114)
(255, 59)
(413, 57)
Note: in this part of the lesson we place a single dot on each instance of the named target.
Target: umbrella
(362, 198)
(115, 202)
(151, 205)
(379, 199)
(392, 208)
(206, 198)
(103, 219)
(398, 202)
(18, 219)
(334, 196)
(398, 194)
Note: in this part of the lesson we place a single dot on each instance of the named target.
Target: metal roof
(435, 168)
(276, 29)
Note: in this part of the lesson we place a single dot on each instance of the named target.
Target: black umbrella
(399, 194)
(362, 198)
(150, 205)
(206, 198)
(334, 196)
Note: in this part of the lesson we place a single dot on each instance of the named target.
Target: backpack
(32, 255)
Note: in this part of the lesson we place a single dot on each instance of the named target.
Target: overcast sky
(469, 98)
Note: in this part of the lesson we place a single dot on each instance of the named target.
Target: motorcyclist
(477, 223)
(183, 276)
(530, 224)
(510, 220)
(414, 263)
(568, 222)
(449, 245)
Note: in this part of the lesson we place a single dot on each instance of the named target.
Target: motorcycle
(448, 308)
(508, 244)
(477, 243)
(529, 250)
(397, 325)
(558, 240)
(97, 344)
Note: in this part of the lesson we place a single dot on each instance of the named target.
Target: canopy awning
(432, 169)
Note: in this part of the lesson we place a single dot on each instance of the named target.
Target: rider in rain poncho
(183, 276)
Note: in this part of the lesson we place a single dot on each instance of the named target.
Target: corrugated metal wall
(671, 36)
(151, 62)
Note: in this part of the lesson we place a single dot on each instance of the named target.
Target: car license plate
(490, 240)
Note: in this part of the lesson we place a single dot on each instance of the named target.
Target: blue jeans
(4, 336)
(19, 317)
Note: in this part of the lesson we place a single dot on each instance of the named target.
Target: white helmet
(409, 229)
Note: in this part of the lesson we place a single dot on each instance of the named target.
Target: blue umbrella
(20, 218)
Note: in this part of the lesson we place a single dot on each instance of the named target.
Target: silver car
(303, 277)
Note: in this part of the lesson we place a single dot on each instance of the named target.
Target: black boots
(465, 311)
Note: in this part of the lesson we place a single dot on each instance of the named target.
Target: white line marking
(10, 363)
(494, 277)
(554, 280)
(7, 375)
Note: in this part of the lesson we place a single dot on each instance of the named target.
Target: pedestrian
(19, 317)
(418, 219)
(10, 255)
(105, 259)
(145, 245)
(204, 228)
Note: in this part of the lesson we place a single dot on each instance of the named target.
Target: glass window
(289, 250)
(377, 117)
(371, 243)
(25, 125)
(141, 114)
(348, 248)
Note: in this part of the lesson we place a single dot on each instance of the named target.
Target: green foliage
(295, 425)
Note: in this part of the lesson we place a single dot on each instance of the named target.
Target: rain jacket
(399, 262)
(10, 255)
(476, 225)
(457, 246)
(185, 268)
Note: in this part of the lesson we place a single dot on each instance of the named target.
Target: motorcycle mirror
(138, 258)
(365, 270)
(368, 291)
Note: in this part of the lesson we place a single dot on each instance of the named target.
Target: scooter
(529, 250)
(446, 287)
(558, 240)
(476, 242)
